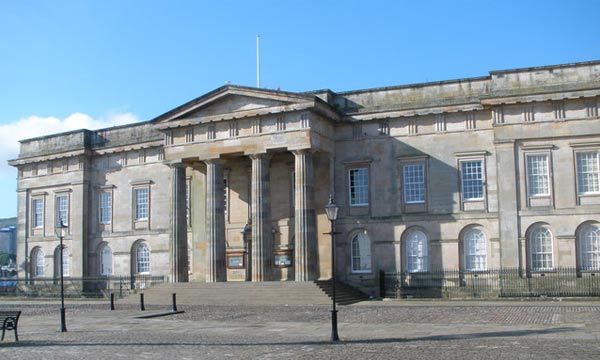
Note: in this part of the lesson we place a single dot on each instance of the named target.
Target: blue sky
(73, 64)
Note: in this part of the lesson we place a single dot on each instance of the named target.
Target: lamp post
(61, 232)
(331, 209)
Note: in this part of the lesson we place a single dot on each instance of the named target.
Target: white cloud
(33, 126)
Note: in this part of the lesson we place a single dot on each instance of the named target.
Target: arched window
(65, 263)
(106, 260)
(416, 251)
(142, 259)
(475, 250)
(37, 261)
(540, 249)
(589, 247)
(361, 254)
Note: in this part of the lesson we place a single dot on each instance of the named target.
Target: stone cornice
(37, 159)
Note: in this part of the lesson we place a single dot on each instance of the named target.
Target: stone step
(232, 293)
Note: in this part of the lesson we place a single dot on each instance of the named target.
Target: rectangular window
(37, 213)
(62, 210)
(105, 207)
(414, 183)
(141, 204)
(472, 179)
(359, 187)
(538, 175)
(588, 173)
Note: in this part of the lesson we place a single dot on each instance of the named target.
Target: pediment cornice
(282, 97)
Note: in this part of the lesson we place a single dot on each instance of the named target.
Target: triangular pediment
(230, 100)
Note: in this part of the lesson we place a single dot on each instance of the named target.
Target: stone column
(215, 221)
(179, 258)
(304, 217)
(261, 219)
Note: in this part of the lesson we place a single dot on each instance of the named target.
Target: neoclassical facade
(479, 173)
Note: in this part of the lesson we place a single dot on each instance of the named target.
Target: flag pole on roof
(258, 61)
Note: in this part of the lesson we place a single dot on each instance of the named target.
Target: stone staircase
(344, 294)
(237, 293)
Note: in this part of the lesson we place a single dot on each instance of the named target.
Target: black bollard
(174, 302)
(142, 307)
(112, 301)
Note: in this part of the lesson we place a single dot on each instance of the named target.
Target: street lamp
(331, 209)
(61, 232)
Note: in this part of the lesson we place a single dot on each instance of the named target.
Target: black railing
(505, 282)
(98, 287)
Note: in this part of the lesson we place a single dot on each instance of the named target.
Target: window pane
(141, 204)
(587, 173)
(541, 249)
(359, 187)
(475, 248)
(361, 253)
(416, 251)
(37, 214)
(538, 175)
(62, 210)
(590, 247)
(143, 259)
(65, 261)
(414, 183)
(38, 260)
(472, 180)
(106, 261)
(105, 207)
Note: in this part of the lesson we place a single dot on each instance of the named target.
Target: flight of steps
(344, 294)
(233, 293)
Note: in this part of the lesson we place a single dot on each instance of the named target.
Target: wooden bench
(9, 320)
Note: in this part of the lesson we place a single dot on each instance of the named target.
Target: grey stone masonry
(304, 220)
(261, 229)
(179, 261)
(215, 221)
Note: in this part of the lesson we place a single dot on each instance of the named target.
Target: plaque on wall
(283, 258)
(235, 261)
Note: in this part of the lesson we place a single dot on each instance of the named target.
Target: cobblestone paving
(376, 330)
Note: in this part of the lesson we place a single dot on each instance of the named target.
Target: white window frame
(590, 176)
(38, 261)
(358, 192)
(417, 258)
(589, 247)
(414, 189)
(534, 176)
(61, 209)
(475, 256)
(142, 259)
(537, 249)
(103, 263)
(141, 209)
(360, 251)
(37, 213)
(66, 268)
(105, 207)
(466, 184)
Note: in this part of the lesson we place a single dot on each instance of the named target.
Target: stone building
(476, 173)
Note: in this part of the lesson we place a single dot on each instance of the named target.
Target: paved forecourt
(388, 329)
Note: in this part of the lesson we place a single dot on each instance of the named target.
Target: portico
(253, 169)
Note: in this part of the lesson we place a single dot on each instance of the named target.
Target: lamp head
(61, 229)
(331, 209)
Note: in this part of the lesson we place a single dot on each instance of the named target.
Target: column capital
(298, 152)
(260, 156)
(215, 161)
(177, 165)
